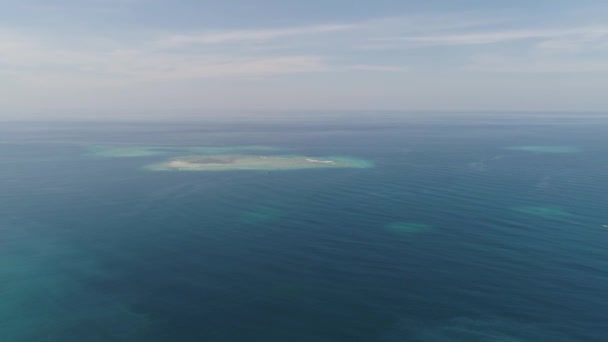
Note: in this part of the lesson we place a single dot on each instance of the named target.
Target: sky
(96, 59)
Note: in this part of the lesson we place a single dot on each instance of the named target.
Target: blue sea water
(467, 228)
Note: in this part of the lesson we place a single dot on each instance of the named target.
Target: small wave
(320, 161)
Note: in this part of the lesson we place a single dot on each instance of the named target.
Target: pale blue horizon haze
(172, 59)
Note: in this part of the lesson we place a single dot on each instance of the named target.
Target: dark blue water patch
(99, 249)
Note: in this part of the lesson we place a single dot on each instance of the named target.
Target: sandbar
(256, 162)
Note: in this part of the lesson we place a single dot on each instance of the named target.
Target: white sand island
(255, 162)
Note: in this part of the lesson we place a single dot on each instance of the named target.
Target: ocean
(459, 228)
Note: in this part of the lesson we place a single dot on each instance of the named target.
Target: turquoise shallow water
(456, 234)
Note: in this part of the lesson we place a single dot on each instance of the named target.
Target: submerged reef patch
(261, 214)
(115, 151)
(124, 151)
(48, 293)
(546, 149)
(256, 162)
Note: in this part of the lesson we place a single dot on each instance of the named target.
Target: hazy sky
(110, 58)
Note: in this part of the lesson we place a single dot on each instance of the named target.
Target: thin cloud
(293, 50)
(535, 64)
(30, 58)
(248, 35)
(380, 68)
(494, 37)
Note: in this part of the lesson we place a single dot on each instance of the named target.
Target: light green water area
(114, 151)
(224, 158)
(41, 301)
(546, 149)
(408, 227)
(256, 162)
(548, 212)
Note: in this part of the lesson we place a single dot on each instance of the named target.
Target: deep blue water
(99, 249)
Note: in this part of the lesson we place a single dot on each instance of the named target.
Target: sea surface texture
(449, 228)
